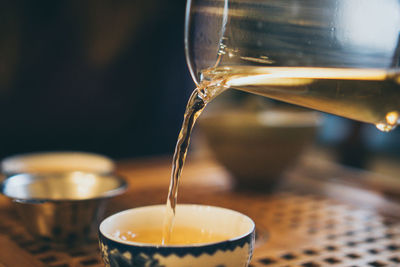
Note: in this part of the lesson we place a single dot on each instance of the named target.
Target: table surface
(321, 214)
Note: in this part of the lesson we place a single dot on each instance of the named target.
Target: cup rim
(198, 245)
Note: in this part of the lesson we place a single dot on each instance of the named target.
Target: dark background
(100, 76)
(110, 77)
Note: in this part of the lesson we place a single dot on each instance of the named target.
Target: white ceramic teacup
(235, 251)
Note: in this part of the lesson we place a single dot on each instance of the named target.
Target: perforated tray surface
(311, 231)
(293, 230)
(44, 253)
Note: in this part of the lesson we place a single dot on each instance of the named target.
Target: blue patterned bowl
(235, 251)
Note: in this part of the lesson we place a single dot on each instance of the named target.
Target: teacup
(234, 250)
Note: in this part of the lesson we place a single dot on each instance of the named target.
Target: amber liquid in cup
(180, 236)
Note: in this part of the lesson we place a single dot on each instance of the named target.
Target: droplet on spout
(392, 120)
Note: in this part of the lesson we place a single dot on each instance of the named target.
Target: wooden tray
(308, 221)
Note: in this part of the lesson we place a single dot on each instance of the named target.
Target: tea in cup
(202, 236)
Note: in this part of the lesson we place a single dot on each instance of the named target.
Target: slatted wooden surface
(313, 225)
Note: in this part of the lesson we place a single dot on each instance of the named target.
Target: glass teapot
(336, 56)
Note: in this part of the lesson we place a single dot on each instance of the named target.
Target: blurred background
(110, 77)
(100, 76)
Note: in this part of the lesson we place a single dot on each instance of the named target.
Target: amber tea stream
(197, 102)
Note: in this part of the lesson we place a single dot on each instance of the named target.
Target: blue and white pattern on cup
(235, 253)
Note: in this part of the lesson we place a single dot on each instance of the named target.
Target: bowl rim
(7, 165)
(196, 245)
(262, 119)
(121, 188)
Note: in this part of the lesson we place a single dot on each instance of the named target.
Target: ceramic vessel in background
(235, 251)
(256, 147)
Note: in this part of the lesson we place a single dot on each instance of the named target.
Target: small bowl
(62, 207)
(235, 250)
(257, 147)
